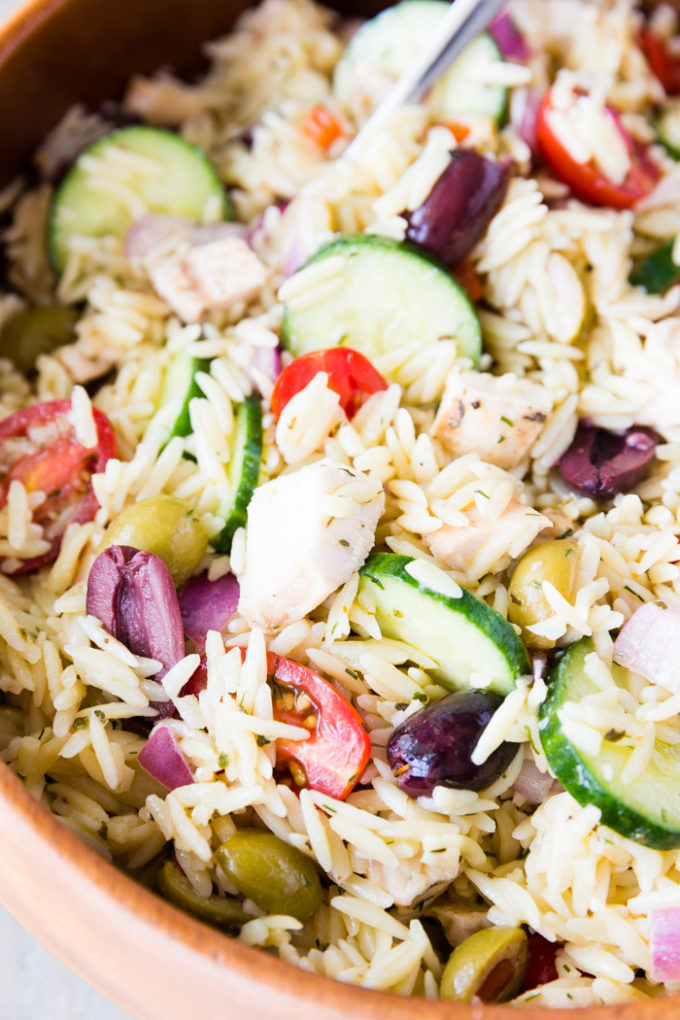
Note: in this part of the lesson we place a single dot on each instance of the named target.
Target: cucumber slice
(171, 175)
(243, 471)
(180, 388)
(389, 293)
(668, 128)
(646, 810)
(464, 635)
(658, 271)
(387, 45)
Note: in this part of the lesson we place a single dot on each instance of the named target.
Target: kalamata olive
(276, 876)
(222, 911)
(457, 211)
(555, 561)
(541, 967)
(434, 746)
(132, 593)
(489, 965)
(165, 526)
(36, 331)
(600, 463)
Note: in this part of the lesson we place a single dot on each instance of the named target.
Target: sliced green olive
(277, 877)
(36, 331)
(221, 911)
(489, 965)
(555, 561)
(166, 526)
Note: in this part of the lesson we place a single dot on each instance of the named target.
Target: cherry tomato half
(663, 64)
(584, 179)
(350, 375)
(38, 447)
(339, 747)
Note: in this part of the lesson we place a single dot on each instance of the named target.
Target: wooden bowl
(140, 951)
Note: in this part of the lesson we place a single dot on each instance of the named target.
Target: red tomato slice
(339, 747)
(584, 179)
(350, 375)
(662, 63)
(38, 447)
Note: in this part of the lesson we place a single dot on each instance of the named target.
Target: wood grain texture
(141, 952)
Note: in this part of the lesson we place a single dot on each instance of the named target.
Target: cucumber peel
(658, 271)
(646, 810)
(463, 635)
(243, 470)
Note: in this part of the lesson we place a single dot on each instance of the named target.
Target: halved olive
(36, 331)
(555, 561)
(165, 526)
(489, 965)
(221, 911)
(276, 876)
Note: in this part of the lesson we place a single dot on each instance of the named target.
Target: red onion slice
(162, 759)
(508, 37)
(664, 943)
(207, 605)
(533, 784)
(268, 361)
(649, 644)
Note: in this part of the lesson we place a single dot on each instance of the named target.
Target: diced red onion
(664, 943)
(268, 361)
(162, 759)
(649, 644)
(509, 39)
(524, 106)
(296, 256)
(207, 605)
(132, 593)
(539, 661)
(533, 784)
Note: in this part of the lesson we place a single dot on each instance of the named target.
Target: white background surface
(35, 985)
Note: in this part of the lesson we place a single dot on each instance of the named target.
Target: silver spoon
(463, 21)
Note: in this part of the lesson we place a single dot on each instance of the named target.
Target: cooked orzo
(340, 497)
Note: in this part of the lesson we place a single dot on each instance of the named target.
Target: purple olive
(433, 747)
(457, 211)
(132, 593)
(600, 463)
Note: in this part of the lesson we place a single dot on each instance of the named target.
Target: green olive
(277, 877)
(166, 526)
(554, 561)
(221, 911)
(489, 965)
(36, 331)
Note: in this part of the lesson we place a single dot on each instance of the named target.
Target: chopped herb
(478, 492)
(352, 673)
(524, 853)
(419, 696)
(506, 421)
(614, 735)
(569, 995)
(566, 534)
(223, 760)
(536, 584)
(501, 439)
(100, 715)
(353, 778)
(389, 842)
(567, 968)
(401, 705)
(262, 741)
(530, 998)
(398, 613)
(80, 722)
(41, 734)
(332, 810)
(569, 551)
(344, 543)
(626, 588)
(439, 850)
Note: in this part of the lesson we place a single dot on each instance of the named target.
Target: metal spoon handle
(463, 21)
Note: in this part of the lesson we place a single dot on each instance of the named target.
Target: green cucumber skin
(657, 272)
(237, 514)
(576, 775)
(182, 424)
(478, 614)
(130, 135)
(350, 245)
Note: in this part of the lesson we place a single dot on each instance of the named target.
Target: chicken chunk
(207, 277)
(307, 532)
(486, 543)
(459, 920)
(498, 417)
